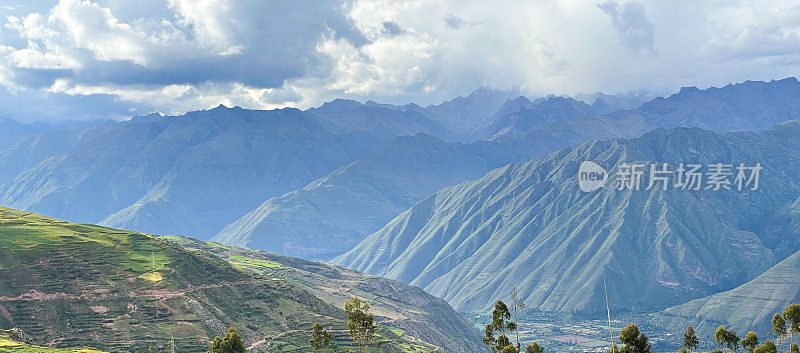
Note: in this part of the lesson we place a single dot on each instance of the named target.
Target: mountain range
(238, 175)
(528, 225)
(184, 175)
(466, 200)
(333, 213)
(520, 116)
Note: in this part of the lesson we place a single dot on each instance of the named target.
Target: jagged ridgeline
(74, 285)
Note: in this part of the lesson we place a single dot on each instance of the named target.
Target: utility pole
(608, 310)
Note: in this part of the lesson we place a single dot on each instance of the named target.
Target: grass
(152, 276)
(9, 346)
(244, 262)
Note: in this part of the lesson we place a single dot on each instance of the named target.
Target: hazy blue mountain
(528, 117)
(33, 149)
(528, 225)
(332, 214)
(748, 307)
(566, 133)
(515, 105)
(751, 105)
(189, 174)
(347, 116)
(12, 131)
(286, 224)
(606, 103)
(745, 106)
(462, 114)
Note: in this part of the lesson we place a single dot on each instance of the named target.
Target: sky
(90, 59)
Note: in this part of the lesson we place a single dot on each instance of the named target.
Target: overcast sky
(73, 59)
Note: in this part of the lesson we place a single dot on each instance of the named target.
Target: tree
(767, 347)
(360, 322)
(509, 349)
(500, 323)
(794, 348)
(727, 339)
(750, 341)
(320, 338)
(690, 340)
(534, 348)
(231, 343)
(792, 317)
(779, 329)
(634, 341)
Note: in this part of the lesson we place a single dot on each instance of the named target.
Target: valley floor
(581, 333)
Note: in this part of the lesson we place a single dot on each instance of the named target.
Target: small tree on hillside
(727, 339)
(767, 347)
(509, 349)
(634, 341)
(779, 330)
(500, 323)
(320, 338)
(360, 322)
(231, 343)
(750, 342)
(690, 340)
(534, 348)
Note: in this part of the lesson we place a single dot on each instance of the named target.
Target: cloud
(392, 29)
(453, 21)
(630, 20)
(257, 43)
(178, 55)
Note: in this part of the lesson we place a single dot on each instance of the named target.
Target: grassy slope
(407, 310)
(73, 285)
(11, 344)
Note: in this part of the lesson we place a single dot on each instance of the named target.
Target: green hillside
(11, 344)
(408, 310)
(74, 285)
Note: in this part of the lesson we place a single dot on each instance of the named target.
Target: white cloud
(193, 54)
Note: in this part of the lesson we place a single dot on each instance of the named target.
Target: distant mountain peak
(689, 89)
(340, 105)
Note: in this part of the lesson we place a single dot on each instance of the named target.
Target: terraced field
(75, 285)
(407, 311)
